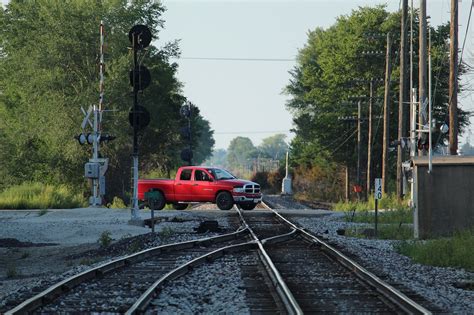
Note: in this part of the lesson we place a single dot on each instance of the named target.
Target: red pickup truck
(199, 184)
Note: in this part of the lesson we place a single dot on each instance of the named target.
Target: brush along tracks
(315, 277)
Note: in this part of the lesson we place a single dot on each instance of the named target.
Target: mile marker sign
(378, 188)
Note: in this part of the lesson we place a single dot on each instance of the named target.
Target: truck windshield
(218, 173)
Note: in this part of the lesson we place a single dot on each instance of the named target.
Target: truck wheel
(158, 202)
(248, 206)
(180, 206)
(224, 200)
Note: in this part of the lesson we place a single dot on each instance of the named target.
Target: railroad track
(318, 277)
(284, 270)
(115, 286)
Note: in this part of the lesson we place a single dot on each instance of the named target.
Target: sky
(244, 97)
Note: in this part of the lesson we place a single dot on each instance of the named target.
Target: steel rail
(56, 290)
(289, 301)
(388, 291)
(144, 300)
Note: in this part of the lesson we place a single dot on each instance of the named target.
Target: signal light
(89, 138)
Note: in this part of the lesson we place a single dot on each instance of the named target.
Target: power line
(251, 132)
(238, 59)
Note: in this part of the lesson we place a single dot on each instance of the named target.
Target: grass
(394, 221)
(117, 203)
(11, 272)
(384, 232)
(456, 251)
(40, 196)
(387, 202)
(105, 239)
(166, 233)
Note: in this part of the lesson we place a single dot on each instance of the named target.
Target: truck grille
(252, 189)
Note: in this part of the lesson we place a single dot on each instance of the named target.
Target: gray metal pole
(403, 97)
(422, 75)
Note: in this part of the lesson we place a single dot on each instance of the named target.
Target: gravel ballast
(77, 232)
(436, 284)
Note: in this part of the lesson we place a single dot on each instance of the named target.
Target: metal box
(91, 170)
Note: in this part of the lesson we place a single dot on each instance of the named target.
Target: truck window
(201, 176)
(186, 174)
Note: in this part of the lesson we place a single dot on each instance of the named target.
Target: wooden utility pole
(386, 115)
(453, 75)
(347, 183)
(369, 137)
(359, 139)
(403, 97)
(422, 75)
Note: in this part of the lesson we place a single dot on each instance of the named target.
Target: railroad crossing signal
(186, 132)
(139, 118)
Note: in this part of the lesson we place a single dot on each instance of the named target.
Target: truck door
(183, 185)
(203, 188)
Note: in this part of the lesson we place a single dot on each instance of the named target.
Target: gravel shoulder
(38, 249)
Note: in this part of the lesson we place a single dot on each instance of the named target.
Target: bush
(117, 203)
(457, 251)
(105, 239)
(39, 196)
(319, 182)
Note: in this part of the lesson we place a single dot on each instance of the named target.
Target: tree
(333, 66)
(49, 69)
(274, 147)
(218, 158)
(240, 150)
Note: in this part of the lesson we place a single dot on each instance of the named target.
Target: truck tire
(224, 200)
(158, 202)
(248, 206)
(180, 206)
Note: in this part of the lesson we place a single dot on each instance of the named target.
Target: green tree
(274, 147)
(218, 158)
(49, 69)
(326, 75)
(240, 150)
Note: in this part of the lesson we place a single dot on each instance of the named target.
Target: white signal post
(378, 195)
(97, 190)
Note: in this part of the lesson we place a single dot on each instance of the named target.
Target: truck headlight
(238, 189)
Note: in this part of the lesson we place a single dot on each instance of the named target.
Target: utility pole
(386, 115)
(422, 77)
(453, 75)
(369, 137)
(403, 98)
(359, 140)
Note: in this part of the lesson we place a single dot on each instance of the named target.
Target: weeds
(87, 261)
(166, 233)
(39, 196)
(105, 239)
(11, 272)
(117, 203)
(384, 232)
(456, 251)
(134, 247)
(42, 212)
(389, 202)
(25, 255)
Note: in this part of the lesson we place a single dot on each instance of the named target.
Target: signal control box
(91, 170)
